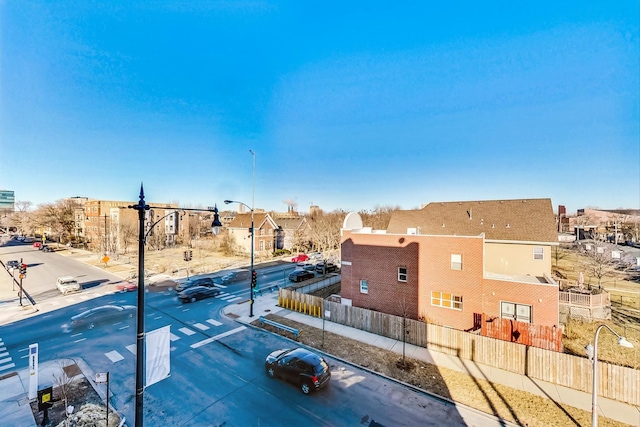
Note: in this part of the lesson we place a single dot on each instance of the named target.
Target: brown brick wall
(376, 258)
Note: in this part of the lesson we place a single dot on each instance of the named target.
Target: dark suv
(326, 267)
(201, 281)
(299, 366)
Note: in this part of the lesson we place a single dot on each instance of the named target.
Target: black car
(300, 275)
(90, 318)
(12, 264)
(201, 281)
(45, 248)
(299, 366)
(326, 267)
(197, 292)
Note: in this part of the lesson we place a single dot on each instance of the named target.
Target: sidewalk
(612, 409)
(15, 409)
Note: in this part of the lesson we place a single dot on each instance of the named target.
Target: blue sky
(347, 105)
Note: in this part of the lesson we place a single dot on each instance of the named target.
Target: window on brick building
(402, 274)
(519, 312)
(364, 286)
(442, 299)
(456, 261)
(538, 253)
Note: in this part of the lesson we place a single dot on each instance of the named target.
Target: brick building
(451, 262)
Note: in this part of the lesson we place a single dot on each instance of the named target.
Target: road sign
(105, 259)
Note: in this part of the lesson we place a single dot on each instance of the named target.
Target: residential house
(265, 228)
(451, 262)
(293, 233)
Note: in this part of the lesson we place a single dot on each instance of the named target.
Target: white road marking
(133, 348)
(174, 337)
(114, 356)
(8, 359)
(234, 299)
(9, 366)
(4, 354)
(214, 322)
(80, 340)
(186, 331)
(201, 326)
(217, 337)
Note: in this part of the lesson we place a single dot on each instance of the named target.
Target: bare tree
(63, 383)
(379, 217)
(325, 230)
(599, 261)
(128, 232)
(59, 217)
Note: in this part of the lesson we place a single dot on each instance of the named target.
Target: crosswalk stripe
(186, 331)
(201, 326)
(132, 348)
(114, 356)
(174, 337)
(214, 322)
(234, 299)
(9, 366)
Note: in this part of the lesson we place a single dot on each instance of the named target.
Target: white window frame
(515, 311)
(446, 300)
(364, 286)
(456, 262)
(538, 253)
(402, 274)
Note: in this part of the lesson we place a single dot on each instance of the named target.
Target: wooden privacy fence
(540, 336)
(614, 382)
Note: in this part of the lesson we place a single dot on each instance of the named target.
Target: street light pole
(252, 252)
(592, 353)
(141, 207)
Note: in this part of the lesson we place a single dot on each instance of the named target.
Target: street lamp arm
(226, 202)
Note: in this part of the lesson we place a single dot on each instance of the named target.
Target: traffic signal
(23, 268)
(254, 278)
(188, 255)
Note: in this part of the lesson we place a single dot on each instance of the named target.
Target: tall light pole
(252, 253)
(592, 353)
(142, 207)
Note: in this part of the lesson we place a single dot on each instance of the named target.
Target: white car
(67, 284)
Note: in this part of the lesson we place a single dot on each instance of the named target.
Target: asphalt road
(217, 365)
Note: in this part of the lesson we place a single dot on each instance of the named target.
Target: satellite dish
(352, 221)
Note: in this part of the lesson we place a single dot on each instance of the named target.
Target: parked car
(299, 366)
(197, 293)
(300, 258)
(45, 248)
(306, 266)
(90, 318)
(326, 267)
(127, 286)
(315, 256)
(235, 276)
(301, 275)
(12, 264)
(67, 284)
(200, 281)
(37, 245)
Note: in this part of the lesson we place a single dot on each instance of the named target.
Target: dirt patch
(505, 402)
(87, 406)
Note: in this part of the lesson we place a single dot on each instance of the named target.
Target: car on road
(37, 245)
(197, 293)
(67, 284)
(46, 248)
(300, 258)
(299, 366)
(235, 276)
(127, 286)
(200, 281)
(301, 275)
(326, 267)
(105, 313)
(12, 264)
